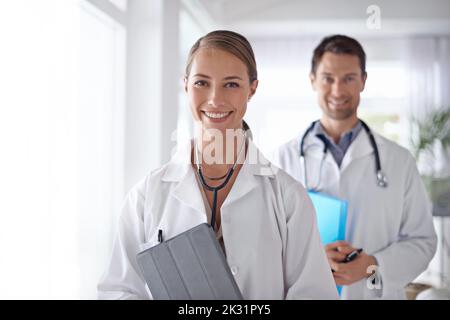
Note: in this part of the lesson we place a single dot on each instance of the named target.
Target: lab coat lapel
(187, 191)
(180, 170)
(255, 165)
(359, 148)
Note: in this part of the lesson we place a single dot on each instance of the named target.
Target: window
(101, 140)
(383, 101)
(61, 129)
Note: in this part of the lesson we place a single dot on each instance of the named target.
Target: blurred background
(91, 100)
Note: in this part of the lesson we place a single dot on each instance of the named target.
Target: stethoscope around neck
(381, 177)
(227, 176)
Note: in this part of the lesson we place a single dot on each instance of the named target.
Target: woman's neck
(219, 154)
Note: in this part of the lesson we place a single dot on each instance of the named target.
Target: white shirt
(268, 225)
(394, 224)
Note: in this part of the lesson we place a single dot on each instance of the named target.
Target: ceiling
(263, 18)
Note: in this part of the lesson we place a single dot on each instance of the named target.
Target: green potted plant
(430, 132)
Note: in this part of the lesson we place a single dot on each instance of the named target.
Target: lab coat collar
(360, 147)
(180, 164)
(180, 170)
(255, 166)
(313, 146)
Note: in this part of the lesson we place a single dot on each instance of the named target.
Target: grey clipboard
(190, 266)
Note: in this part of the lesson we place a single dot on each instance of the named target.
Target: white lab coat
(269, 229)
(394, 224)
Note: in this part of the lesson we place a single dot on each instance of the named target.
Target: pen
(352, 255)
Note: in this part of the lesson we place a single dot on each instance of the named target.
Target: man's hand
(350, 272)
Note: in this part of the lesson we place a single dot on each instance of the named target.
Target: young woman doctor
(263, 218)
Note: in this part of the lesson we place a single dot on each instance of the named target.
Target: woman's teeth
(217, 115)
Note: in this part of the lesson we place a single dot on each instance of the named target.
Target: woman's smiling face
(218, 89)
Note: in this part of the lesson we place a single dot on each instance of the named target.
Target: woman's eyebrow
(232, 78)
(201, 75)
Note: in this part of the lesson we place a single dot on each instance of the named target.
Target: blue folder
(331, 215)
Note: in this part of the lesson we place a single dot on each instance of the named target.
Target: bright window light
(121, 4)
(387, 79)
(288, 81)
(59, 128)
(285, 104)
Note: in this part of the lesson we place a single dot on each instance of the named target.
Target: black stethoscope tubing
(381, 178)
(216, 189)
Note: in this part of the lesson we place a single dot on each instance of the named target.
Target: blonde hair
(230, 42)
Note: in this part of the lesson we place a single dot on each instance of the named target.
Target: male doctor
(389, 214)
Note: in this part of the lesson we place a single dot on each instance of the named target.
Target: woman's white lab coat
(394, 224)
(268, 225)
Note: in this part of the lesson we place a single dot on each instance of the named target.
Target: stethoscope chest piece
(381, 179)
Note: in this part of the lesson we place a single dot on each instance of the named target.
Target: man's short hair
(339, 44)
